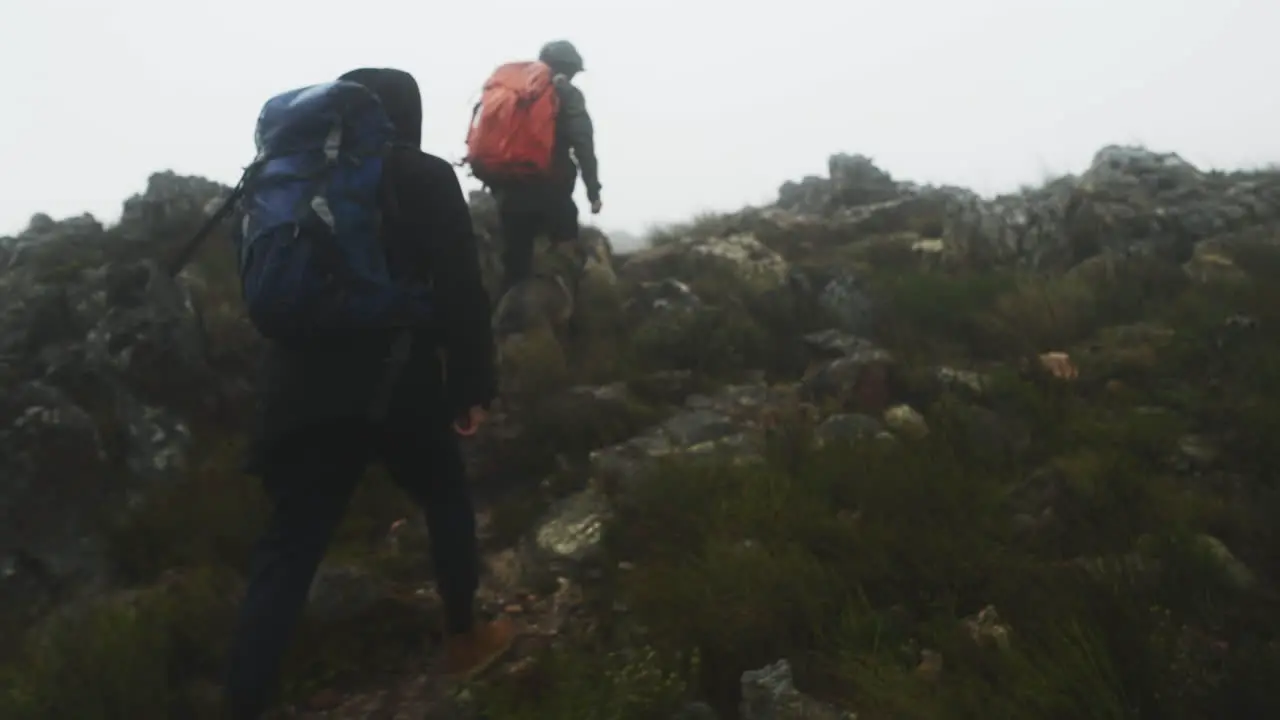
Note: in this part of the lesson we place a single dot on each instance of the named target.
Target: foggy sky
(698, 104)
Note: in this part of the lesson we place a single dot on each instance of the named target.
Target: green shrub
(712, 342)
(210, 519)
(134, 654)
(933, 314)
(996, 315)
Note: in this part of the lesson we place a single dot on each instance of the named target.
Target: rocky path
(417, 691)
(542, 581)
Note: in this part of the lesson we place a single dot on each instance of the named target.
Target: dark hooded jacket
(428, 236)
(574, 132)
(575, 135)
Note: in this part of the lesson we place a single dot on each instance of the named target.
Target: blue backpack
(311, 254)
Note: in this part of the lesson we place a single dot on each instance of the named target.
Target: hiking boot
(470, 654)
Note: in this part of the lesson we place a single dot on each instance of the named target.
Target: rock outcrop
(103, 359)
(1129, 200)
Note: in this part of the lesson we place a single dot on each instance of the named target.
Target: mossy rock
(532, 362)
(568, 424)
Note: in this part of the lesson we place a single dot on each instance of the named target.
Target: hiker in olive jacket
(545, 206)
(331, 407)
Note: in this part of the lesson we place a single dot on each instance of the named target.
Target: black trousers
(310, 481)
(523, 220)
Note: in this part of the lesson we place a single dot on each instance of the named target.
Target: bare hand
(468, 426)
(595, 206)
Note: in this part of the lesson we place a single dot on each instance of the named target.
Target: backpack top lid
(528, 79)
(512, 133)
(317, 117)
(312, 256)
(313, 143)
(307, 121)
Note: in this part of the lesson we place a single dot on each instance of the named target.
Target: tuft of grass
(591, 682)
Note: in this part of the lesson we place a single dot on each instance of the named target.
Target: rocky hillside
(877, 450)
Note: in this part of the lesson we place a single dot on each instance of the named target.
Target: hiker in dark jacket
(531, 208)
(319, 429)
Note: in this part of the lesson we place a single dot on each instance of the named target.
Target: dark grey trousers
(310, 480)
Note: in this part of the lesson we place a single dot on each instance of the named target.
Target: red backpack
(513, 128)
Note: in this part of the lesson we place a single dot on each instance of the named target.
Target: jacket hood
(401, 97)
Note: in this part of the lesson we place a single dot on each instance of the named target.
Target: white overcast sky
(699, 104)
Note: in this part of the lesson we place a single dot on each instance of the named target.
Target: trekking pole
(184, 254)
